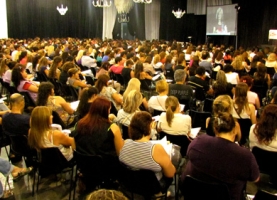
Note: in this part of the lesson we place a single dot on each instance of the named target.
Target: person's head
(241, 96)
(168, 59)
(248, 80)
(138, 69)
(261, 71)
(200, 71)
(161, 86)
(118, 60)
(40, 123)
(42, 62)
(89, 94)
(219, 14)
(67, 66)
(224, 123)
(57, 63)
(265, 129)
(140, 125)
(18, 74)
(17, 101)
(97, 116)
(180, 75)
(148, 59)
(223, 103)
(228, 68)
(171, 105)
(105, 194)
(133, 84)
(205, 55)
(102, 81)
(157, 59)
(272, 57)
(221, 77)
(129, 63)
(73, 73)
(45, 90)
(132, 101)
(105, 66)
(22, 55)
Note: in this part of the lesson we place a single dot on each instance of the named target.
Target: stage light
(62, 10)
(143, 1)
(102, 3)
(179, 13)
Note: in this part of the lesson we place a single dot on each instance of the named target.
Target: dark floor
(53, 189)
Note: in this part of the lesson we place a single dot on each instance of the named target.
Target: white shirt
(252, 96)
(232, 78)
(88, 61)
(180, 125)
(254, 141)
(157, 102)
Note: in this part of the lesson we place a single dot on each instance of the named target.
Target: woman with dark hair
(54, 71)
(96, 135)
(139, 153)
(19, 79)
(7, 76)
(225, 157)
(252, 97)
(43, 66)
(104, 69)
(232, 77)
(87, 97)
(108, 92)
(263, 134)
(139, 72)
(46, 97)
(221, 86)
(64, 75)
(22, 59)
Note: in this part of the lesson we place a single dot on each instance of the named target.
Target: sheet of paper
(194, 132)
(167, 146)
(154, 78)
(74, 105)
(156, 118)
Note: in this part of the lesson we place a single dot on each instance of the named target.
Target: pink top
(116, 69)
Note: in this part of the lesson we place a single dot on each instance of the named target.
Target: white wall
(3, 19)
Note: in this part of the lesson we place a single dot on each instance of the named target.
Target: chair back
(180, 140)
(93, 70)
(42, 77)
(4, 139)
(74, 92)
(169, 74)
(265, 161)
(142, 182)
(198, 119)
(89, 80)
(19, 145)
(57, 120)
(157, 112)
(208, 105)
(193, 188)
(125, 134)
(29, 102)
(119, 79)
(245, 125)
(51, 161)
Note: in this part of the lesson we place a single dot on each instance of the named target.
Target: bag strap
(237, 112)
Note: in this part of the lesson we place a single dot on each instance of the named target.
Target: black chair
(141, 182)
(19, 145)
(42, 77)
(89, 80)
(264, 195)
(125, 134)
(180, 140)
(119, 79)
(52, 161)
(4, 140)
(95, 173)
(193, 189)
(261, 91)
(93, 70)
(245, 125)
(57, 120)
(198, 119)
(29, 102)
(74, 93)
(208, 105)
(265, 161)
(169, 74)
(157, 112)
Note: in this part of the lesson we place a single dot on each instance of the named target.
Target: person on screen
(220, 27)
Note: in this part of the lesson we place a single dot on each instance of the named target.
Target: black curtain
(31, 18)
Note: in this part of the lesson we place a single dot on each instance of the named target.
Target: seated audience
(64, 75)
(158, 102)
(74, 79)
(183, 92)
(199, 84)
(104, 69)
(263, 134)
(108, 92)
(118, 66)
(19, 78)
(221, 86)
(127, 72)
(87, 97)
(46, 97)
(252, 97)
(172, 121)
(43, 67)
(139, 153)
(42, 136)
(54, 71)
(130, 106)
(88, 61)
(147, 67)
(7, 76)
(232, 165)
(205, 63)
(157, 64)
(232, 77)
(15, 122)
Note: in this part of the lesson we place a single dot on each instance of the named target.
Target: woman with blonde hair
(158, 102)
(43, 66)
(130, 107)
(134, 84)
(172, 121)
(42, 136)
(157, 64)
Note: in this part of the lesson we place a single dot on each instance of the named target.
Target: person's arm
(145, 103)
(146, 76)
(46, 71)
(237, 77)
(118, 141)
(257, 102)
(33, 88)
(252, 114)
(63, 139)
(132, 74)
(80, 84)
(207, 122)
(163, 159)
(58, 73)
(118, 98)
(65, 105)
